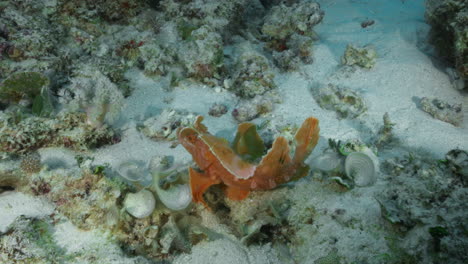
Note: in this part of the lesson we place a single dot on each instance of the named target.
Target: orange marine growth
(242, 166)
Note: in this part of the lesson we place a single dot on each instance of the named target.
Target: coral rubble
(253, 75)
(289, 32)
(449, 33)
(421, 194)
(362, 57)
(21, 135)
(344, 101)
(249, 109)
(218, 110)
(450, 113)
(164, 125)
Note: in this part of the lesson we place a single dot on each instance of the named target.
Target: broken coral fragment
(252, 74)
(344, 101)
(291, 55)
(231, 165)
(164, 125)
(283, 21)
(218, 110)
(450, 113)
(449, 35)
(260, 105)
(363, 57)
(288, 29)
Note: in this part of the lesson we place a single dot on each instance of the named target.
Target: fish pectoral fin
(235, 193)
(199, 183)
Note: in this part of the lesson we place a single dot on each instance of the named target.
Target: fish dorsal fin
(247, 143)
(233, 163)
(219, 148)
(201, 128)
(272, 166)
(306, 139)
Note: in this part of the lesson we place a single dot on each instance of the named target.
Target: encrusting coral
(444, 111)
(363, 57)
(236, 166)
(344, 101)
(449, 35)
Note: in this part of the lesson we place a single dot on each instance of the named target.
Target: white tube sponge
(140, 204)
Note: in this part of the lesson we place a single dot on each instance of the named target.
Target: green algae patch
(23, 85)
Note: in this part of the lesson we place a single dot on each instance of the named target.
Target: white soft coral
(92, 92)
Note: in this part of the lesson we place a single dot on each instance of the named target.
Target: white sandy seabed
(402, 74)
